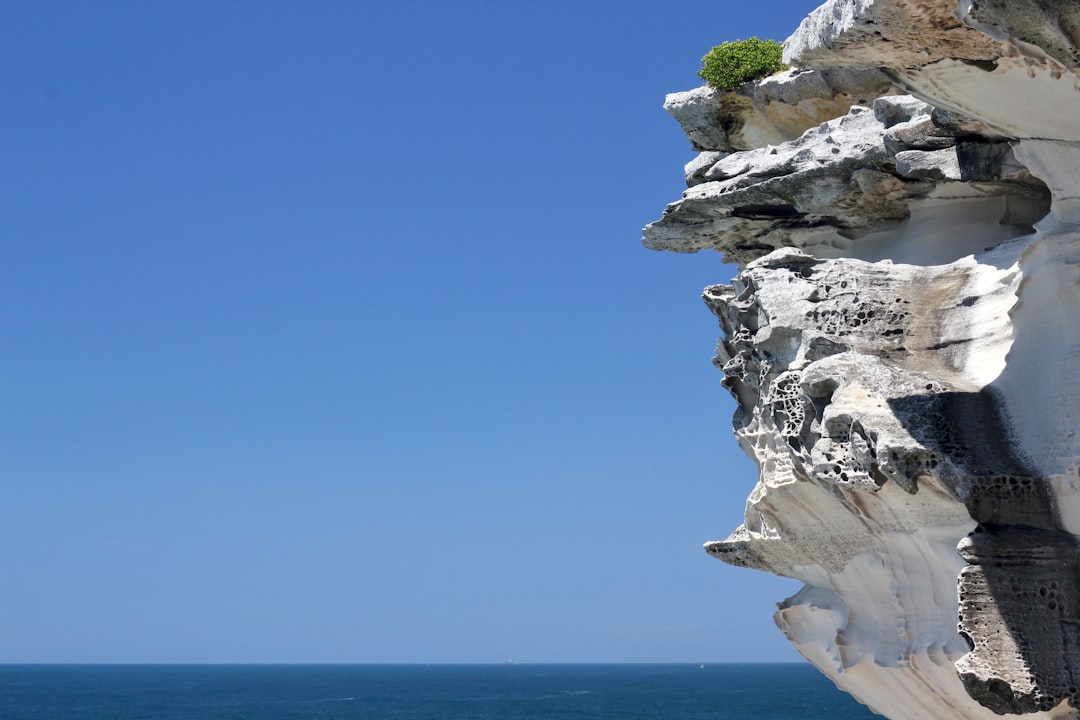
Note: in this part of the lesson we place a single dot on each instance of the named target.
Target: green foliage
(729, 65)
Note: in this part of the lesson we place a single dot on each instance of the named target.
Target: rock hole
(984, 65)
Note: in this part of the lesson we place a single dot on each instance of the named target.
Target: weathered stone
(1018, 608)
(919, 134)
(694, 171)
(891, 110)
(771, 110)
(1058, 165)
(958, 124)
(834, 188)
(928, 165)
(903, 343)
(885, 33)
(881, 403)
(1038, 88)
(761, 199)
(1052, 26)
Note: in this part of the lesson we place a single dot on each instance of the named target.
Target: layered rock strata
(903, 344)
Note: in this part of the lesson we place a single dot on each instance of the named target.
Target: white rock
(771, 110)
(1058, 165)
(694, 171)
(1042, 92)
(903, 346)
(878, 401)
(845, 187)
(884, 33)
(928, 164)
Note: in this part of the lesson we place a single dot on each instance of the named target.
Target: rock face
(903, 344)
(775, 110)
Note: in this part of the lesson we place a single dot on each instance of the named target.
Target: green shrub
(729, 65)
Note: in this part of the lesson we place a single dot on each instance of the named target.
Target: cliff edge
(903, 343)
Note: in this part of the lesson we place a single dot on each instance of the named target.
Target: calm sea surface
(420, 692)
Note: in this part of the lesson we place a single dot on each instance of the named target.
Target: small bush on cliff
(729, 65)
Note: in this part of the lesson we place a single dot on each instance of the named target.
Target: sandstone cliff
(903, 343)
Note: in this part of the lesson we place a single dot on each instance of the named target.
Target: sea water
(422, 692)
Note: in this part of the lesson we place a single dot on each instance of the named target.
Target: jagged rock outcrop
(834, 189)
(775, 110)
(903, 345)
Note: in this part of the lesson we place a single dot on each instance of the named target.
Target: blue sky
(326, 335)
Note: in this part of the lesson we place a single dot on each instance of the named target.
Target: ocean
(422, 692)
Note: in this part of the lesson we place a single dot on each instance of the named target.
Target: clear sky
(326, 335)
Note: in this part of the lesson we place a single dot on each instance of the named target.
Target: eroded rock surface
(886, 33)
(903, 345)
(775, 110)
(830, 190)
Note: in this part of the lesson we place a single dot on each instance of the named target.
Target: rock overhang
(902, 343)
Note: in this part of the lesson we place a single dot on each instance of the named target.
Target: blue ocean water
(422, 692)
